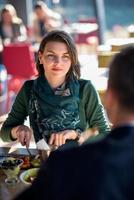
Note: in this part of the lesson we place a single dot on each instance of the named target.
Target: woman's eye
(50, 56)
(66, 57)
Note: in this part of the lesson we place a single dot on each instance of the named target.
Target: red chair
(19, 61)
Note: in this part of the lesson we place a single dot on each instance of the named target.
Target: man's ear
(111, 104)
(109, 98)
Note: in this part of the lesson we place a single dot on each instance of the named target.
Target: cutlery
(28, 151)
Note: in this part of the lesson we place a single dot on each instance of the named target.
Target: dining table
(8, 192)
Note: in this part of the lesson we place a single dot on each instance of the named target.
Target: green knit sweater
(91, 110)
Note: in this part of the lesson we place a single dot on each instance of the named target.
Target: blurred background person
(44, 20)
(12, 28)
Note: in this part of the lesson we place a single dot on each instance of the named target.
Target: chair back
(19, 60)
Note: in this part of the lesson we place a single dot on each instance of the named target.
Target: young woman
(59, 104)
(12, 28)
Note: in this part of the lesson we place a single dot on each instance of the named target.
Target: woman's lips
(56, 69)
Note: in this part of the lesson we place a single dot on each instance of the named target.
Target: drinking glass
(11, 168)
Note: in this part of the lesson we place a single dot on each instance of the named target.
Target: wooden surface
(118, 43)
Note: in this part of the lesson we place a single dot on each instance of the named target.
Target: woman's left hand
(58, 139)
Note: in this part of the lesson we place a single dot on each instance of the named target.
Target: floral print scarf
(51, 110)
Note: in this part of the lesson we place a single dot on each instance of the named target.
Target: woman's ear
(40, 57)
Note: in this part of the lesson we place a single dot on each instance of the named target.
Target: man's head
(120, 91)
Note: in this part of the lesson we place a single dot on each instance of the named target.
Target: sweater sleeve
(18, 113)
(94, 110)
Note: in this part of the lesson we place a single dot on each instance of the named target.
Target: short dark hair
(61, 36)
(121, 77)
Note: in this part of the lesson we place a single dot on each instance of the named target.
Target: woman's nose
(58, 60)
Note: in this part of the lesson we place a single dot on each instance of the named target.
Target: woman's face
(39, 13)
(6, 17)
(56, 60)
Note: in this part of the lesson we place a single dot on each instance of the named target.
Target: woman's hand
(58, 139)
(23, 134)
(87, 134)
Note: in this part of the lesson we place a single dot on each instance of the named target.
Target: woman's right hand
(23, 134)
(58, 139)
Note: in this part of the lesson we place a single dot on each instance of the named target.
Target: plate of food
(28, 176)
(30, 162)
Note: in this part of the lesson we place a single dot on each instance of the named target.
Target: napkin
(42, 145)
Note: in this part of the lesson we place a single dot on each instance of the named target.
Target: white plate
(24, 175)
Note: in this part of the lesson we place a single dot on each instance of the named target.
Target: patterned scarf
(53, 111)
